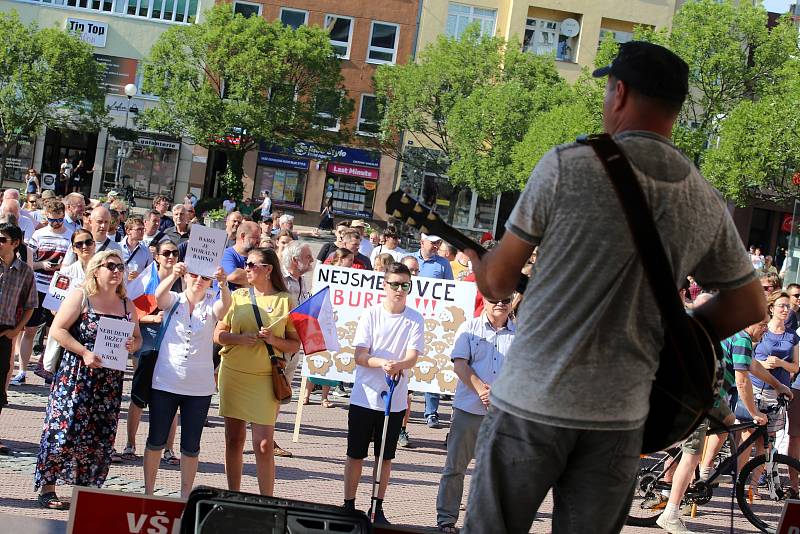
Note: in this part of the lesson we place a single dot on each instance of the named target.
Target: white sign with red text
(444, 304)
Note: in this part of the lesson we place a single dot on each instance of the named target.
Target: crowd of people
(197, 336)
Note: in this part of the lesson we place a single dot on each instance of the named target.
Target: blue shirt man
(431, 265)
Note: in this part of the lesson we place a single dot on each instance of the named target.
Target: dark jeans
(591, 472)
(6, 346)
(164, 406)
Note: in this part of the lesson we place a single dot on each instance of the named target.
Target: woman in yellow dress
(245, 374)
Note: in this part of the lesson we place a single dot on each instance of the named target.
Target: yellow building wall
(511, 17)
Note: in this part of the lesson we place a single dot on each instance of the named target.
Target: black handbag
(142, 383)
(689, 375)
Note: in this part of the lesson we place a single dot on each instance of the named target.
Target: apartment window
(368, 117)
(460, 16)
(618, 36)
(326, 109)
(294, 17)
(246, 9)
(341, 31)
(546, 37)
(383, 43)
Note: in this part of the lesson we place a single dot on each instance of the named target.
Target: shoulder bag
(280, 384)
(142, 383)
(689, 374)
(53, 351)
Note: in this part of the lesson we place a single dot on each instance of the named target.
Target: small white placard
(60, 286)
(112, 334)
(205, 249)
(90, 31)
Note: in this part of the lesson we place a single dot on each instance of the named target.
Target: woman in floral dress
(81, 421)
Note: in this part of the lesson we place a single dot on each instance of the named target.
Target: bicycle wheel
(764, 510)
(648, 502)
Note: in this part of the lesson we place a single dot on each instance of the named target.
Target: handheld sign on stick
(205, 249)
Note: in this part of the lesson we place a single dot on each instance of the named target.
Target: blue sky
(778, 6)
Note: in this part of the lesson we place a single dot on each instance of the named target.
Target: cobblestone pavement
(313, 474)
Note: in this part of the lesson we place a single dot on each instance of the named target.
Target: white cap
(113, 193)
(431, 237)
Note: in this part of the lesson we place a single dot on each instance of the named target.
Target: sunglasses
(767, 288)
(120, 267)
(55, 220)
(405, 286)
(252, 265)
(169, 253)
(193, 275)
(83, 244)
(501, 301)
(4, 239)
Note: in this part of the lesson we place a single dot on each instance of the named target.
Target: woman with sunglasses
(245, 374)
(83, 408)
(184, 372)
(150, 318)
(83, 246)
(32, 184)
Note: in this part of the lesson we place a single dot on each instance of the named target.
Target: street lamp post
(122, 149)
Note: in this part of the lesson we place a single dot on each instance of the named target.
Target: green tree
(471, 99)
(48, 78)
(230, 83)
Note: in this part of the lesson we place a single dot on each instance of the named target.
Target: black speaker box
(215, 511)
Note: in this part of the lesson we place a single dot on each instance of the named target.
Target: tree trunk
(234, 180)
(3, 159)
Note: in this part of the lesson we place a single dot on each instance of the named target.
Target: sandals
(306, 401)
(327, 404)
(449, 528)
(116, 458)
(129, 453)
(50, 501)
(169, 458)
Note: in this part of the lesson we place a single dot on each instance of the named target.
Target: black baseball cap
(650, 69)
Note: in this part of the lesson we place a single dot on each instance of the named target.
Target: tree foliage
(471, 99)
(48, 78)
(231, 82)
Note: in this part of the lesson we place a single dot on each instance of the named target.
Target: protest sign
(97, 510)
(205, 249)
(444, 304)
(112, 334)
(60, 286)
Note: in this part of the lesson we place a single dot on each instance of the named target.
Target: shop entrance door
(74, 145)
(216, 167)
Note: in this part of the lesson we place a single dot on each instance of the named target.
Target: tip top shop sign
(89, 31)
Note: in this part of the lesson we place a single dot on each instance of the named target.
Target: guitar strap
(657, 266)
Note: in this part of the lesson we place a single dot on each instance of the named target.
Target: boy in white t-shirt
(388, 340)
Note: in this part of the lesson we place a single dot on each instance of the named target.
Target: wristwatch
(223, 284)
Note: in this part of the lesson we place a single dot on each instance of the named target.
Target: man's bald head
(99, 221)
(11, 193)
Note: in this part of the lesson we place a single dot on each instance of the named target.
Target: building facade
(357, 178)
(122, 33)
(569, 30)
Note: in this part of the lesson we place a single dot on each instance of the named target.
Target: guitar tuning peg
(411, 222)
(396, 214)
(418, 209)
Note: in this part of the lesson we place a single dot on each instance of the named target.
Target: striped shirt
(17, 291)
(737, 356)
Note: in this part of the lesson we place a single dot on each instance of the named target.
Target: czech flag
(315, 324)
(142, 291)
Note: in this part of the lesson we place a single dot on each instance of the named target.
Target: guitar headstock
(413, 213)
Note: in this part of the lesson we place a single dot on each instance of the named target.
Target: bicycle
(763, 512)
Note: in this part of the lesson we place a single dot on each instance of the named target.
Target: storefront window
(149, 165)
(352, 189)
(18, 160)
(285, 186)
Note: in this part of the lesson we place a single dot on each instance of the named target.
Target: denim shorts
(163, 407)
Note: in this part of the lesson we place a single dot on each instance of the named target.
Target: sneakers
(403, 440)
(339, 391)
(43, 373)
(657, 501)
(433, 421)
(18, 380)
(673, 526)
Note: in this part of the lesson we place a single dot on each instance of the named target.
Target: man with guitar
(570, 406)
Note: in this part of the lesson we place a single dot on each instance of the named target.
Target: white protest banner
(112, 334)
(205, 249)
(60, 286)
(444, 304)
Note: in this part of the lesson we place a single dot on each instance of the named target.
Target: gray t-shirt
(589, 331)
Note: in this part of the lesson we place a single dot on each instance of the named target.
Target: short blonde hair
(91, 281)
